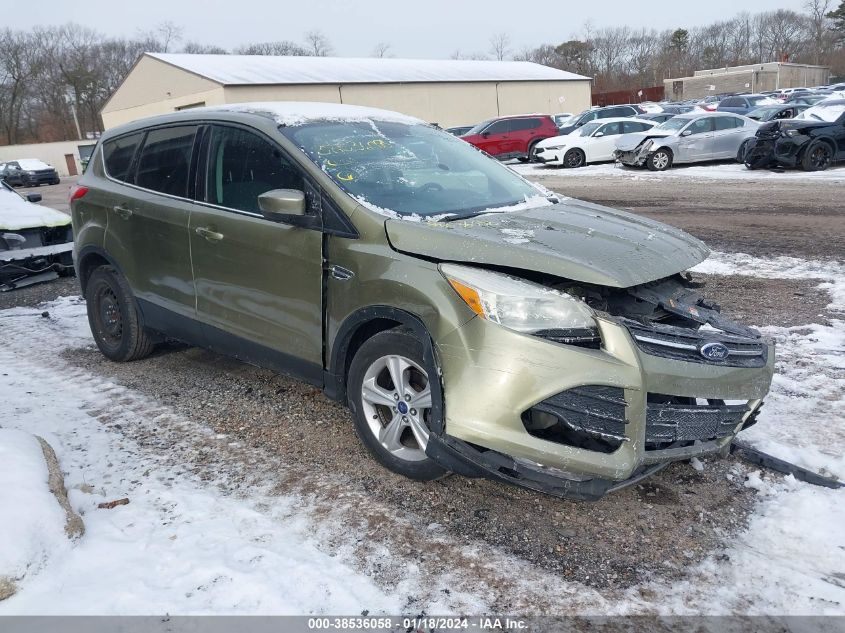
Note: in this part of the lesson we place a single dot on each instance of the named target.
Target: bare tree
(500, 45)
(318, 44)
(820, 27)
(203, 49)
(281, 48)
(382, 49)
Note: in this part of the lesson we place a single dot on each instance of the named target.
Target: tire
(113, 317)
(574, 158)
(386, 420)
(661, 160)
(530, 158)
(817, 157)
(740, 154)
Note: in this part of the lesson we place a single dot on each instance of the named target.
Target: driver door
(696, 145)
(258, 283)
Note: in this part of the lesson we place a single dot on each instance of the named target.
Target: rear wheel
(113, 316)
(574, 158)
(817, 157)
(391, 400)
(661, 160)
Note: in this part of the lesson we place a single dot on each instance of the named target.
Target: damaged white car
(36, 243)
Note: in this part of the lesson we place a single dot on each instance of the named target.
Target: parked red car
(511, 136)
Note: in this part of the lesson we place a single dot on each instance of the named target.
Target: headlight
(791, 133)
(29, 172)
(523, 306)
(554, 147)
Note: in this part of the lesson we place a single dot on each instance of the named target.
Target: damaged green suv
(473, 322)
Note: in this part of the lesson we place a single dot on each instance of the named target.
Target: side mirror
(280, 205)
(686, 132)
(485, 134)
(33, 197)
(598, 134)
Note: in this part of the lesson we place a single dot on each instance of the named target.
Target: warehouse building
(746, 79)
(446, 92)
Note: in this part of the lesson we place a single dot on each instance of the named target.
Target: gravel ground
(652, 530)
(802, 219)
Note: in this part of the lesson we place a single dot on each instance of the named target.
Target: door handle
(207, 233)
(122, 211)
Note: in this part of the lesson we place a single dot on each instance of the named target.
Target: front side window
(242, 166)
(700, 126)
(166, 159)
(499, 127)
(118, 154)
(409, 168)
(611, 129)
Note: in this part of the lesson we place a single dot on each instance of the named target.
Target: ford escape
(473, 322)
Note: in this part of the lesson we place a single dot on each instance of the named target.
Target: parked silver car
(686, 138)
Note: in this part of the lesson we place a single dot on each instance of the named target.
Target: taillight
(77, 192)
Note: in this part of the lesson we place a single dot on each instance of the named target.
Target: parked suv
(472, 321)
(29, 172)
(511, 136)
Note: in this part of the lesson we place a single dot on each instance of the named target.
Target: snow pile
(301, 112)
(31, 520)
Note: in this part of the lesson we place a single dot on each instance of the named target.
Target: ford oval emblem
(714, 351)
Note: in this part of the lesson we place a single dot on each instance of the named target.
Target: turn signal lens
(469, 295)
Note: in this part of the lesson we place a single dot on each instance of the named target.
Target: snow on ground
(181, 546)
(803, 418)
(702, 171)
(31, 537)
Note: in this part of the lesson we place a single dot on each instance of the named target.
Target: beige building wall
(154, 87)
(446, 104)
(51, 153)
(754, 78)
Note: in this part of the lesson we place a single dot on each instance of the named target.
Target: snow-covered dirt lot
(248, 492)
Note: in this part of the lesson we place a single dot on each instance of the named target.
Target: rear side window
(634, 126)
(518, 125)
(118, 154)
(727, 123)
(166, 159)
(242, 166)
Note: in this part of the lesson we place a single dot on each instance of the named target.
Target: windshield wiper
(475, 214)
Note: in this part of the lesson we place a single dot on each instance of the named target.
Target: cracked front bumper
(492, 376)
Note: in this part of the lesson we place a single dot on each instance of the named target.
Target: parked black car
(11, 175)
(657, 117)
(29, 172)
(813, 142)
(774, 112)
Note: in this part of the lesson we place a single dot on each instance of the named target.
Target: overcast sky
(425, 28)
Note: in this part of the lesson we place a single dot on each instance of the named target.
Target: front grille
(56, 235)
(591, 417)
(670, 420)
(678, 343)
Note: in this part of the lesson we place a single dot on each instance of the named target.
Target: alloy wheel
(660, 160)
(820, 158)
(396, 402)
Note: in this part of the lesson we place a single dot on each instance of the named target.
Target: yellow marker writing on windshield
(347, 177)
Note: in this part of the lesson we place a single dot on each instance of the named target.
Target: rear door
(148, 204)
(522, 131)
(728, 133)
(258, 283)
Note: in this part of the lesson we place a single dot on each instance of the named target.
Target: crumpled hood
(16, 213)
(573, 239)
(627, 142)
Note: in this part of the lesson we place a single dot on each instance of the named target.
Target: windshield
(409, 169)
(476, 129)
(588, 128)
(762, 113)
(828, 113)
(672, 125)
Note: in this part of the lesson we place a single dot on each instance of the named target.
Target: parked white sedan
(593, 142)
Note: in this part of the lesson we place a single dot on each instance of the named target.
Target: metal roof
(234, 70)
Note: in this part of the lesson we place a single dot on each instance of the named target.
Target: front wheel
(817, 157)
(391, 400)
(740, 154)
(661, 160)
(574, 158)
